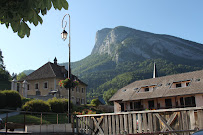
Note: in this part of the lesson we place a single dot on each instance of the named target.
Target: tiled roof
(50, 70)
(131, 91)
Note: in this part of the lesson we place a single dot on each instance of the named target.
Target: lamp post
(64, 35)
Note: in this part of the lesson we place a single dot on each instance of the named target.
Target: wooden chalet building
(172, 91)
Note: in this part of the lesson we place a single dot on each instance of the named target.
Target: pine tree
(1, 61)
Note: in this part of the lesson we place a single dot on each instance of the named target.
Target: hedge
(36, 106)
(58, 105)
(10, 99)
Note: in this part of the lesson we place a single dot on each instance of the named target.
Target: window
(82, 90)
(151, 104)
(131, 105)
(197, 80)
(72, 89)
(137, 105)
(38, 93)
(77, 89)
(168, 103)
(83, 101)
(188, 101)
(146, 89)
(36, 86)
(28, 87)
(72, 98)
(178, 85)
(77, 101)
(46, 85)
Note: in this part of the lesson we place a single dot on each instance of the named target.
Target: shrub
(58, 105)
(13, 99)
(36, 106)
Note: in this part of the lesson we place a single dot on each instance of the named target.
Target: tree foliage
(1, 60)
(21, 76)
(17, 13)
(95, 102)
(4, 75)
(108, 94)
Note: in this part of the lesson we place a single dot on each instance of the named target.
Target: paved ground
(9, 114)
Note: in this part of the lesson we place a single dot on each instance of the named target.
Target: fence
(18, 119)
(181, 121)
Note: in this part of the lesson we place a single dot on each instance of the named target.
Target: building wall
(199, 100)
(117, 107)
(53, 85)
(44, 91)
(161, 102)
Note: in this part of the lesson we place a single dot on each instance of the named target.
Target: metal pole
(69, 70)
(69, 73)
(69, 76)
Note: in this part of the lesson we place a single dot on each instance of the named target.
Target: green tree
(108, 94)
(17, 13)
(21, 76)
(1, 60)
(4, 75)
(95, 102)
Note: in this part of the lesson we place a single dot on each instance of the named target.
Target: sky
(180, 18)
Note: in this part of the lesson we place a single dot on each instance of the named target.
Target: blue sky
(181, 18)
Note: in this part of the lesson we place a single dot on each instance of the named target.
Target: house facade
(172, 91)
(43, 84)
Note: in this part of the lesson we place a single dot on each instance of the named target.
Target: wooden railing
(174, 121)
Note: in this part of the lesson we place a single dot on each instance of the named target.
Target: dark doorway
(168, 103)
(122, 107)
(151, 104)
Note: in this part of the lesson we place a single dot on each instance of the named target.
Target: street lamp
(64, 35)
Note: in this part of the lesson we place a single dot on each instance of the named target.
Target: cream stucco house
(172, 91)
(43, 84)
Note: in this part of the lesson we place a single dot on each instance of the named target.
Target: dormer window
(146, 89)
(178, 85)
(187, 83)
(181, 84)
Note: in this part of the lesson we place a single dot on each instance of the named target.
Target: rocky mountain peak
(123, 43)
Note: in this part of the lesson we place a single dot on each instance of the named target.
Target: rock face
(123, 43)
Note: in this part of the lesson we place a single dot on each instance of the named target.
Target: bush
(58, 105)
(13, 98)
(36, 106)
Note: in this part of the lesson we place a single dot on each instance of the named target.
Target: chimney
(55, 61)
